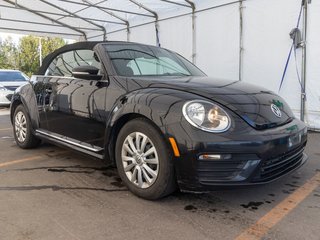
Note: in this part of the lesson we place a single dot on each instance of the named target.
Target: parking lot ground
(53, 193)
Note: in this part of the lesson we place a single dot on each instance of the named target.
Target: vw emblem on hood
(276, 110)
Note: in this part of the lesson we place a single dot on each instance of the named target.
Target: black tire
(165, 182)
(29, 141)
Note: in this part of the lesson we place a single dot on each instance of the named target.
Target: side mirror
(86, 72)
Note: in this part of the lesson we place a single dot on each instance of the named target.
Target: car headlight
(206, 116)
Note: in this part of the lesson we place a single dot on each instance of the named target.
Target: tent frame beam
(66, 15)
(36, 31)
(126, 22)
(78, 16)
(176, 3)
(46, 17)
(107, 8)
(155, 15)
(44, 24)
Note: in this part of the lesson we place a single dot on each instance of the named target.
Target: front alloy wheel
(140, 159)
(144, 160)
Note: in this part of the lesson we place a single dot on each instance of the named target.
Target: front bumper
(248, 157)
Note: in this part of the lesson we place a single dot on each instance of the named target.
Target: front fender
(160, 105)
(25, 95)
(163, 107)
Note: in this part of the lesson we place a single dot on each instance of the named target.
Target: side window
(63, 64)
(159, 66)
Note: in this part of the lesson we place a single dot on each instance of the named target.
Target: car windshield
(141, 60)
(12, 76)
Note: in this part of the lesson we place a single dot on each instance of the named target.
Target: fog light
(214, 156)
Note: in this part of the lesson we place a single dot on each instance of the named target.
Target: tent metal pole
(78, 16)
(304, 60)
(128, 33)
(48, 18)
(240, 39)
(155, 15)
(126, 22)
(194, 32)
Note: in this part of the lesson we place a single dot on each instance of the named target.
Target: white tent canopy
(86, 19)
(245, 40)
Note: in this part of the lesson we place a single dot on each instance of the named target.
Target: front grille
(275, 167)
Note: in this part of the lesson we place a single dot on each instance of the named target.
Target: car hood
(12, 85)
(252, 103)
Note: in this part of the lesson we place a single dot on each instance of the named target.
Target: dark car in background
(10, 80)
(158, 118)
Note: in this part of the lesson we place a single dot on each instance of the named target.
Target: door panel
(74, 108)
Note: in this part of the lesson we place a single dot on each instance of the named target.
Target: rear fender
(25, 95)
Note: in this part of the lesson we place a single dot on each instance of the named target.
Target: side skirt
(83, 147)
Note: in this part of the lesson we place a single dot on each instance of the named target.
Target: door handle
(102, 83)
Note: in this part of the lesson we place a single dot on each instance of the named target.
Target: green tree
(29, 54)
(9, 55)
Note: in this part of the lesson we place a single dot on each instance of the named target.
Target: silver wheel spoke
(138, 142)
(150, 151)
(149, 170)
(146, 176)
(129, 167)
(152, 161)
(140, 181)
(134, 175)
(127, 159)
(143, 143)
(133, 148)
(127, 148)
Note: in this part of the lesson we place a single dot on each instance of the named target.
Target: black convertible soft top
(78, 45)
(74, 46)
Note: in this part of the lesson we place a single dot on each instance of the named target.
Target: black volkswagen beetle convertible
(158, 118)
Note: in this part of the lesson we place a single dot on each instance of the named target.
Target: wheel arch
(162, 107)
(26, 96)
(113, 132)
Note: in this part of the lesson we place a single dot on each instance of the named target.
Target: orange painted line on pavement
(5, 164)
(264, 224)
(4, 129)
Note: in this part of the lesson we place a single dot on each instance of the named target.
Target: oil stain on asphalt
(57, 188)
(252, 205)
(190, 208)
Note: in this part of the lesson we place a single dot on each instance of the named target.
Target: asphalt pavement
(54, 193)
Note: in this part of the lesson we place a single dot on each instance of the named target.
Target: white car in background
(10, 80)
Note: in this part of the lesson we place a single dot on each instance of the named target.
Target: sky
(15, 37)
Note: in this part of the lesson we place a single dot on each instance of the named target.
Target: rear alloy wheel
(144, 161)
(22, 129)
